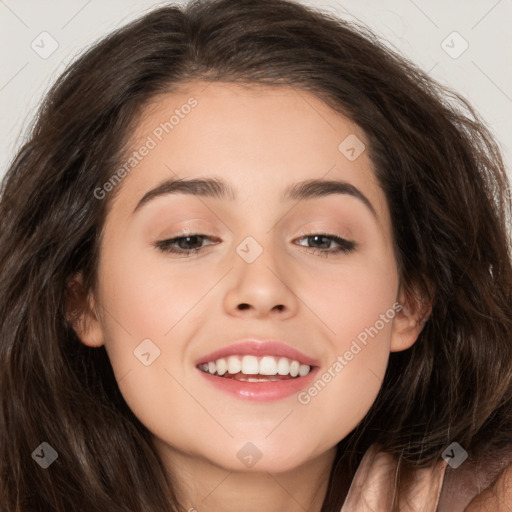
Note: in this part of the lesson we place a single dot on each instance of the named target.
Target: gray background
(416, 28)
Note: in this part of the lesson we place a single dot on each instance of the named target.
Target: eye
(182, 244)
(325, 239)
(192, 243)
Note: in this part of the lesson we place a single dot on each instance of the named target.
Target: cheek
(347, 385)
(146, 305)
(148, 296)
(357, 308)
(354, 297)
(341, 395)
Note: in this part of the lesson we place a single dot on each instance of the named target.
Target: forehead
(258, 138)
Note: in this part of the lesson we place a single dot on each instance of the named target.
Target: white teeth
(252, 365)
(268, 366)
(234, 364)
(303, 370)
(283, 366)
(222, 366)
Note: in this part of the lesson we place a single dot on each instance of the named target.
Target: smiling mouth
(250, 368)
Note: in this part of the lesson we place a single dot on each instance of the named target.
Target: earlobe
(409, 320)
(81, 313)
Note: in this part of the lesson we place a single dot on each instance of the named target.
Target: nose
(261, 288)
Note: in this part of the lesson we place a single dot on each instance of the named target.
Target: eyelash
(344, 246)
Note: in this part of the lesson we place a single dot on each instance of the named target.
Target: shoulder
(481, 486)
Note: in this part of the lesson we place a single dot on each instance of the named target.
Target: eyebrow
(217, 188)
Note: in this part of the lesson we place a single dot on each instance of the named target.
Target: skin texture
(260, 140)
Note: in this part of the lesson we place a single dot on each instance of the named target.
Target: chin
(249, 458)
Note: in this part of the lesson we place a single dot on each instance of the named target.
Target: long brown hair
(450, 205)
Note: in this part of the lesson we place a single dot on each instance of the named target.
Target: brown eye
(345, 246)
(182, 244)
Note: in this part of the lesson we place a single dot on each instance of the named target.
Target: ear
(410, 319)
(82, 314)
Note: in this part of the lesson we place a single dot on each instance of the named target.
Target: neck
(203, 486)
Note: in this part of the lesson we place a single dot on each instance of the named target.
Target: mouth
(258, 370)
(250, 368)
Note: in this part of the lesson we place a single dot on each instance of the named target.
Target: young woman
(252, 260)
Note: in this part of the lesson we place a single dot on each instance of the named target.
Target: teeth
(303, 370)
(294, 368)
(222, 366)
(268, 366)
(283, 366)
(234, 364)
(252, 365)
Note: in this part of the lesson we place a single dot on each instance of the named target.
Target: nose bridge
(261, 281)
(260, 255)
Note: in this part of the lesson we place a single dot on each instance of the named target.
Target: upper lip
(256, 347)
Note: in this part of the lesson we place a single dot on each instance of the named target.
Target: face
(315, 272)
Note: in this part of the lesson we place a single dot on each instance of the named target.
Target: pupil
(187, 239)
(316, 237)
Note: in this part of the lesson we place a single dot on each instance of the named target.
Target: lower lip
(262, 391)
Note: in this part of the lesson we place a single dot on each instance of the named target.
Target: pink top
(433, 489)
(372, 487)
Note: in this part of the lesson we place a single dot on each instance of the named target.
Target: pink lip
(261, 391)
(259, 348)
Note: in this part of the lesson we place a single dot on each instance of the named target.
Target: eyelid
(302, 233)
(326, 232)
(344, 246)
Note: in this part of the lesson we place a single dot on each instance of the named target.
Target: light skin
(259, 140)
